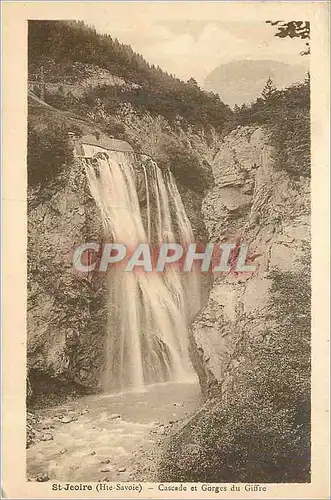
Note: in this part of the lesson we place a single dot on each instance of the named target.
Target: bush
(185, 165)
(260, 430)
(115, 129)
(290, 135)
(48, 152)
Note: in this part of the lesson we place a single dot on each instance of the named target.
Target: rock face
(74, 77)
(253, 334)
(255, 204)
(65, 335)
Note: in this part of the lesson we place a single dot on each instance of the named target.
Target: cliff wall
(254, 331)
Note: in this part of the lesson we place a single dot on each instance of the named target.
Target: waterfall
(148, 312)
(191, 280)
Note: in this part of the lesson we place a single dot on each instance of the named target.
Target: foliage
(155, 90)
(184, 164)
(269, 90)
(293, 29)
(59, 99)
(48, 152)
(260, 430)
(286, 113)
(115, 129)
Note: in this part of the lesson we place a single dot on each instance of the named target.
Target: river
(109, 437)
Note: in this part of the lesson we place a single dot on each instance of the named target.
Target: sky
(194, 48)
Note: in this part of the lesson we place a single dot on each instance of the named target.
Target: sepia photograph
(168, 290)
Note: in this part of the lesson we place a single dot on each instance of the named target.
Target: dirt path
(108, 437)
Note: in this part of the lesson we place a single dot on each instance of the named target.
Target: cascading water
(147, 331)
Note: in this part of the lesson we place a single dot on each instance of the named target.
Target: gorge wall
(251, 203)
(66, 312)
(254, 331)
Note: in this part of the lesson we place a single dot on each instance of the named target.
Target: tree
(269, 90)
(193, 82)
(293, 29)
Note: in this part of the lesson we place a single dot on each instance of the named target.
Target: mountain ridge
(241, 81)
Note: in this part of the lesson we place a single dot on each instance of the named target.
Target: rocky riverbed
(107, 437)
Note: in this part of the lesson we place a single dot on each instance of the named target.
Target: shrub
(48, 152)
(290, 135)
(115, 129)
(185, 165)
